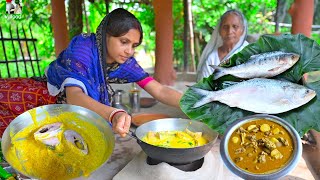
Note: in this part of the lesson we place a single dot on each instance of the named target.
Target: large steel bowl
(176, 155)
(42, 112)
(287, 168)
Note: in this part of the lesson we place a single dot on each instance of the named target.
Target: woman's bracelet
(114, 112)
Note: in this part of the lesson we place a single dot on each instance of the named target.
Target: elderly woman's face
(231, 29)
(119, 49)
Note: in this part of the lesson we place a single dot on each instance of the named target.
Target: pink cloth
(145, 81)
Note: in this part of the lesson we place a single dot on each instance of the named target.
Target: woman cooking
(227, 39)
(82, 73)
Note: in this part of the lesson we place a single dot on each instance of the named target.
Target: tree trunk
(86, 17)
(197, 48)
(280, 13)
(190, 23)
(107, 6)
(316, 17)
(188, 38)
(75, 17)
(186, 32)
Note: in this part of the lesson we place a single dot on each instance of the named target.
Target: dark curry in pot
(260, 146)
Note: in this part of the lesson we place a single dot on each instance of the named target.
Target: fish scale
(259, 95)
(260, 66)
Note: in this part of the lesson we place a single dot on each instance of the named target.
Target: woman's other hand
(121, 123)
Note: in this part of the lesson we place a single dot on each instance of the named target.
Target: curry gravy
(274, 146)
(175, 139)
(63, 161)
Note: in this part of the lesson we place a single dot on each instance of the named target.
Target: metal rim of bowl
(164, 120)
(50, 109)
(175, 155)
(290, 165)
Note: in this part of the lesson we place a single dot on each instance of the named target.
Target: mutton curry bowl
(261, 147)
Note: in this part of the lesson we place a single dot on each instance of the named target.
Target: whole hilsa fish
(259, 95)
(260, 66)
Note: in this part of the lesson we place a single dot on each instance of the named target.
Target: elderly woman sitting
(227, 39)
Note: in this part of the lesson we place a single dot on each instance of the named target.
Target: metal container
(176, 155)
(290, 165)
(134, 98)
(42, 112)
(117, 100)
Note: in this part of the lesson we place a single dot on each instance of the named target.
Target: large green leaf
(218, 116)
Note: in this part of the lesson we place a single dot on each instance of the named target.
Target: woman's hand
(121, 123)
(120, 119)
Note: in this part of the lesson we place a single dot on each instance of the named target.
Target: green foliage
(206, 13)
(145, 15)
(96, 13)
(143, 12)
(218, 116)
(316, 37)
(35, 14)
(178, 21)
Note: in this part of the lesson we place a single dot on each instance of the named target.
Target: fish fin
(204, 100)
(274, 69)
(218, 72)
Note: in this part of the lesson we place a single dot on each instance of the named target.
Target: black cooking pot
(175, 155)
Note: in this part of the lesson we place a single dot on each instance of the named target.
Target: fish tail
(218, 72)
(205, 99)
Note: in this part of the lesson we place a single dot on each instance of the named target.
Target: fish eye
(308, 91)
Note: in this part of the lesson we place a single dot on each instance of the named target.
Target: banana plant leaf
(219, 116)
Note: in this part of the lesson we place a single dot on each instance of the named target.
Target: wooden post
(59, 26)
(164, 71)
(301, 12)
